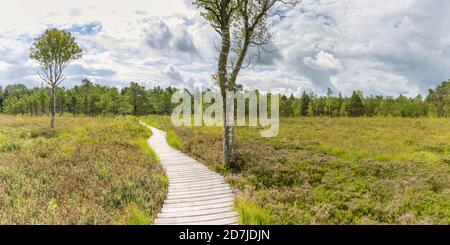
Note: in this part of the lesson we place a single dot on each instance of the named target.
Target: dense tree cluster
(435, 104)
(87, 99)
(92, 99)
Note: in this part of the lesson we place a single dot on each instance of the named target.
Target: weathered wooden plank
(192, 177)
(210, 178)
(201, 203)
(197, 184)
(187, 169)
(172, 188)
(193, 219)
(192, 174)
(175, 200)
(227, 221)
(177, 159)
(176, 174)
(189, 213)
(198, 194)
(194, 208)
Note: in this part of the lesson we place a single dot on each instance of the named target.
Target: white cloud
(4, 65)
(376, 46)
(323, 62)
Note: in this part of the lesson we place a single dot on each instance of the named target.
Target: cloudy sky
(377, 46)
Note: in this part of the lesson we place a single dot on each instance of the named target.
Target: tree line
(92, 99)
(435, 104)
(86, 99)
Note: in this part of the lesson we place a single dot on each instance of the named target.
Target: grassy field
(316, 171)
(88, 171)
(333, 170)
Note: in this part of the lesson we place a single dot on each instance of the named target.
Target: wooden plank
(176, 174)
(194, 208)
(189, 213)
(196, 183)
(201, 218)
(198, 194)
(192, 176)
(186, 169)
(206, 179)
(227, 200)
(227, 221)
(172, 188)
(175, 200)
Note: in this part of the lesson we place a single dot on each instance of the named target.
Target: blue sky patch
(86, 29)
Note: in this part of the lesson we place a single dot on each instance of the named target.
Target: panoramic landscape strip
(225, 112)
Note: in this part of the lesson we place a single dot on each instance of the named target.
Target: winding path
(197, 195)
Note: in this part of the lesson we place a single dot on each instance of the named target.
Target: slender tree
(2, 97)
(355, 106)
(329, 101)
(439, 99)
(54, 50)
(241, 25)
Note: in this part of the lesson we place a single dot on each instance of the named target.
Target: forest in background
(92, 99)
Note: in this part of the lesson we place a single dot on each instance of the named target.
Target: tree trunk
(229, 156)
(53, 107)
(61, 106)
(229, 153)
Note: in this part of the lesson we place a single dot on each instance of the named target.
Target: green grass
(143, 145)
(87, 171)
(135, 216)
(250, 213)
(173, 140)
(160, 122)
(335, 170)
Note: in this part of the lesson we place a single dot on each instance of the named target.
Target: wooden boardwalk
(197, 195)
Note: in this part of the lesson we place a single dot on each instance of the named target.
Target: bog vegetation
(318, 170)
(88, 171)
(333, 170)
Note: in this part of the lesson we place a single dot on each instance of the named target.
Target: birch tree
(242, 25)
